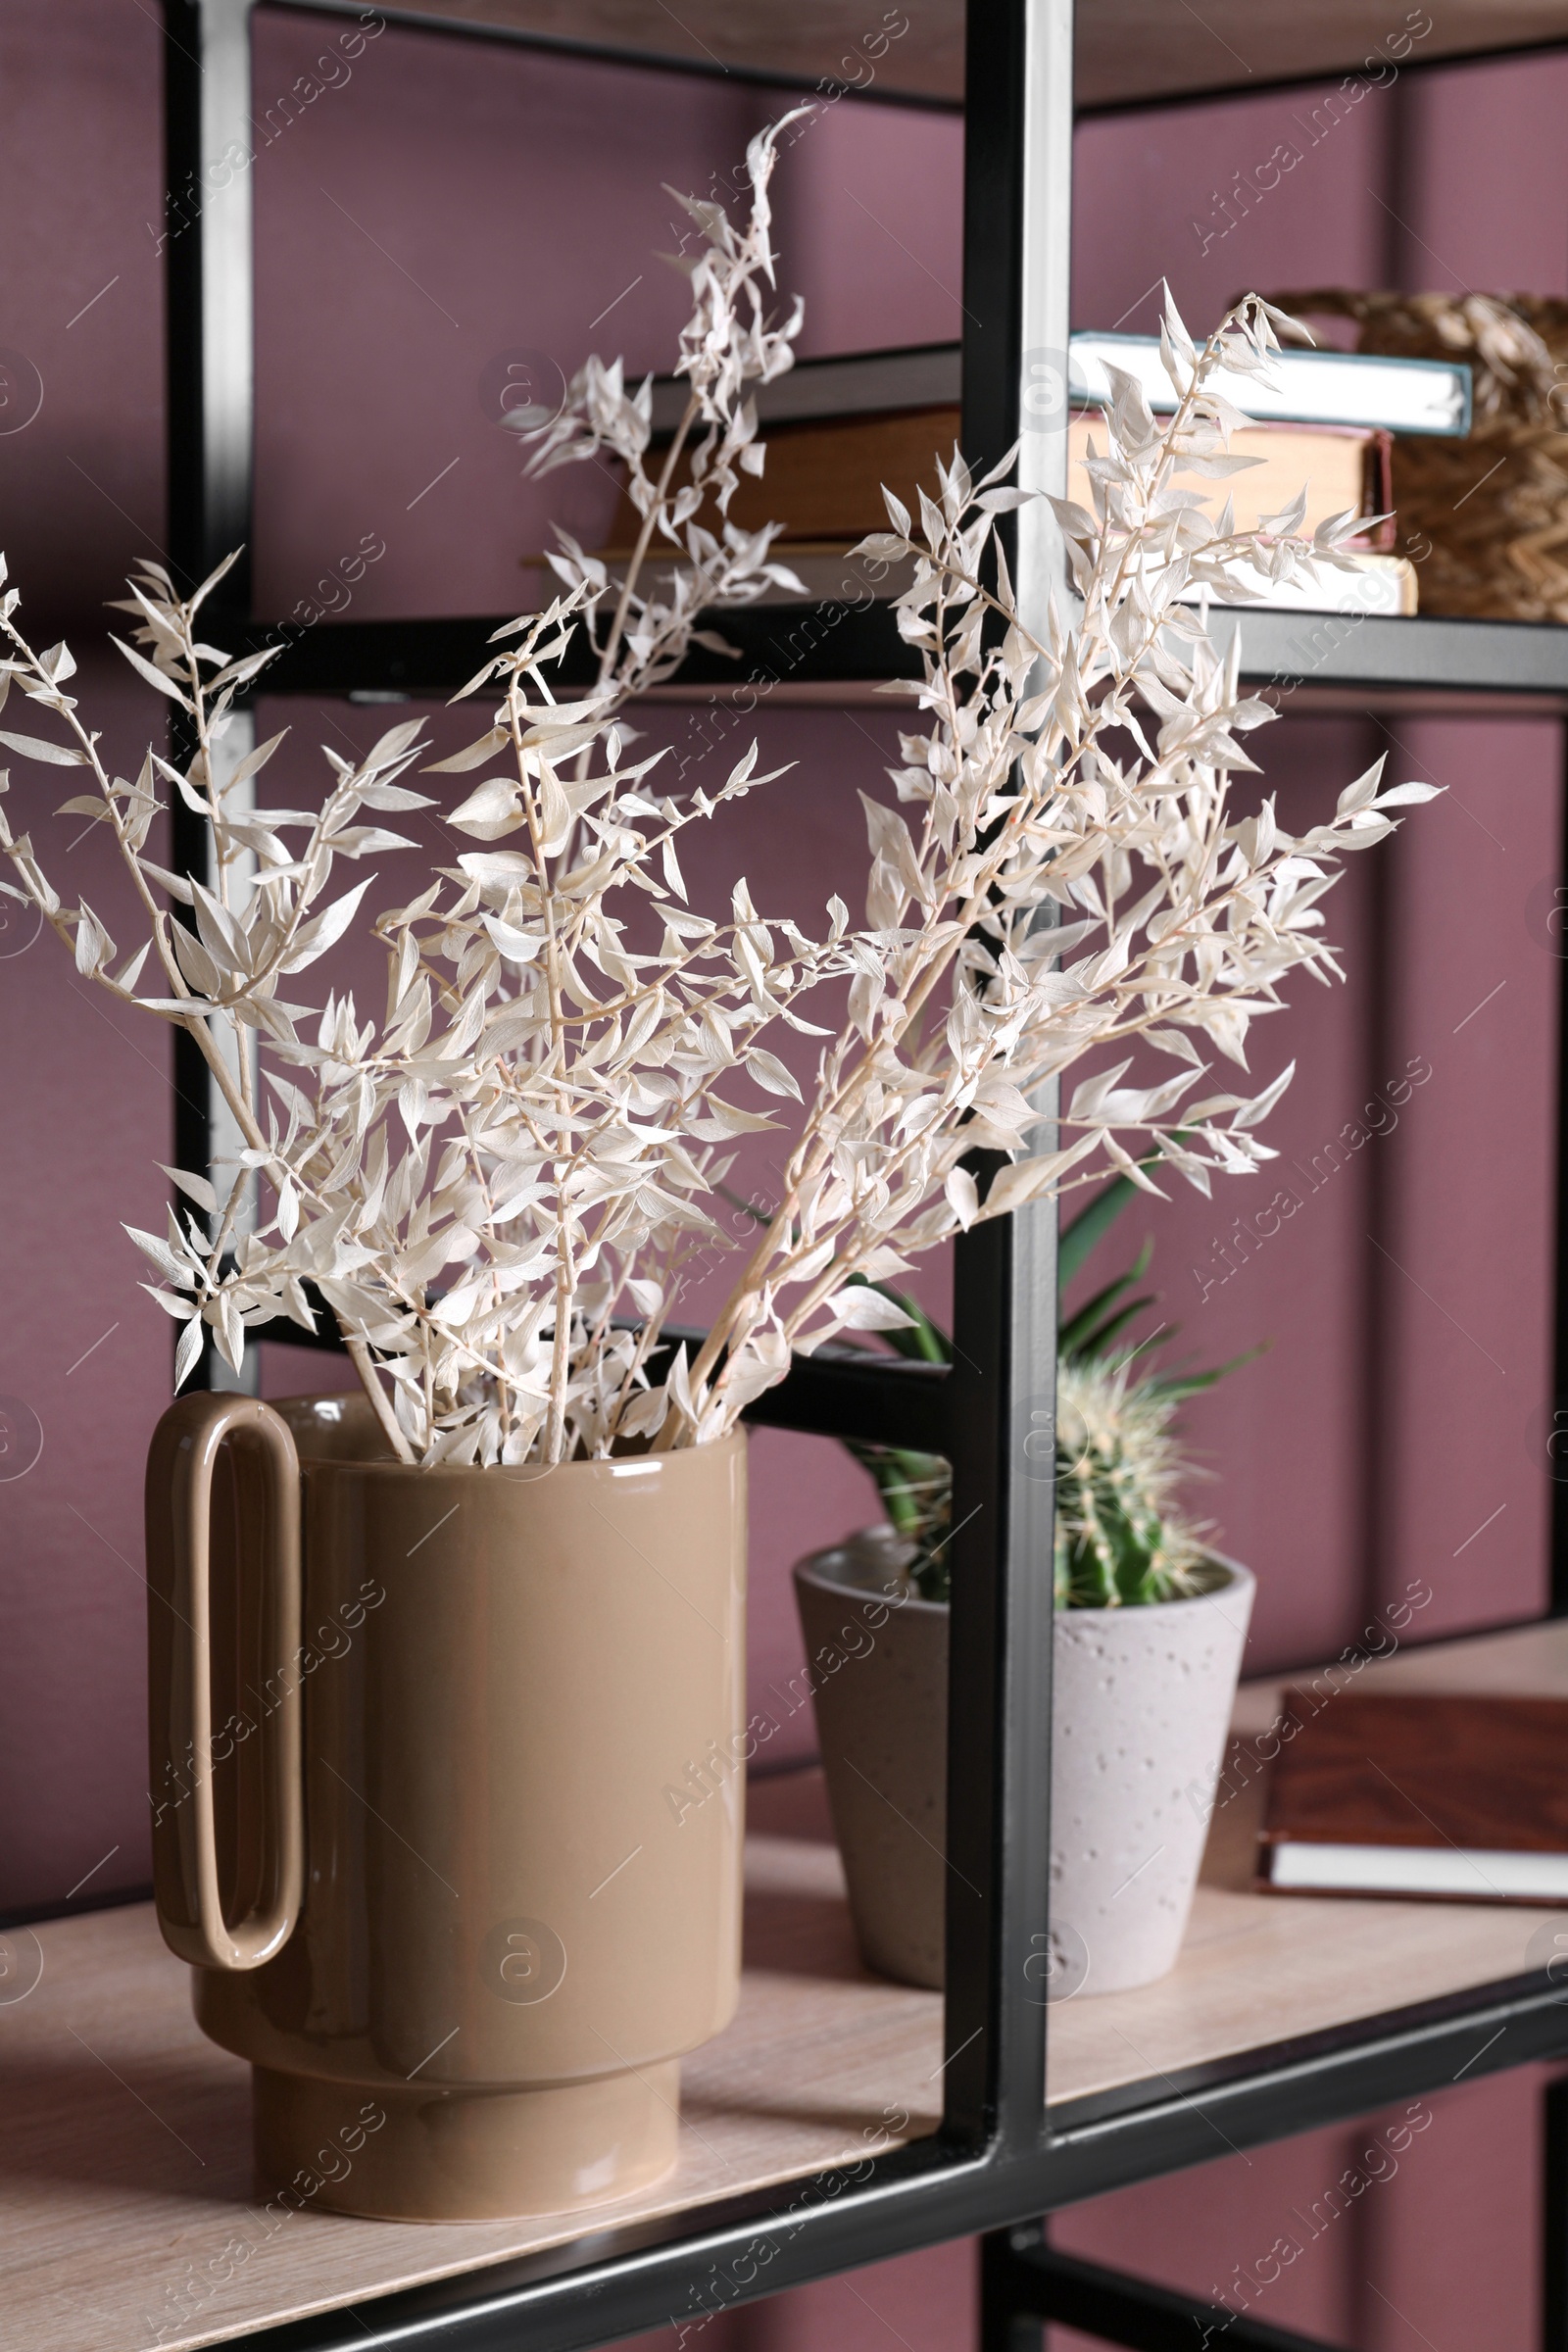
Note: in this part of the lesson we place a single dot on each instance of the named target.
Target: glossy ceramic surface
(513, 1917)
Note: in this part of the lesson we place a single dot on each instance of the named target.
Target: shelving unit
(1279, 2016)
(1248, 2043)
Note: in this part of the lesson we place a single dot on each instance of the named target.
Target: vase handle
(180, 1485)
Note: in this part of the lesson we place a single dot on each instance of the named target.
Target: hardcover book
(1420, 1793)
(824, 477)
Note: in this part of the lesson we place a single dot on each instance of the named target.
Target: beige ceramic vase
(412, 1737)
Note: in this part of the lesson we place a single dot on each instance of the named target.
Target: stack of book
(1325, 423)
(839, 430)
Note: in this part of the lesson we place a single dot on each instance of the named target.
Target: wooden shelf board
(1258, 1970)
(125, 2169)
(1134, 52)
(1129, 51)
(124, 2166)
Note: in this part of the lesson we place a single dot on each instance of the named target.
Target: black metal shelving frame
(1001, 2159)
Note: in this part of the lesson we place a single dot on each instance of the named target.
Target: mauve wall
(421, 226)
(86, 1092)
(415, 236)
(1395, 1430)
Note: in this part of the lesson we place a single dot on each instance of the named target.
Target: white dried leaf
(490, 812)
(963, 1196)
(188, 1352)
(153, 676)
(35, 747)
(534, 1144)
(196, 1188)
(772, 1073)
(858, 1307)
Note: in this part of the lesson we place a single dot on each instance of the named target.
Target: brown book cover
(1342, 468)
(1434, 1793)
(824, 477)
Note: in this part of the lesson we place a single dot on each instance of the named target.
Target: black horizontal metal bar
(420, 661)
(1025, 2278)
(1299, 2051)
(838, 1392)
(877, 92)
(684, 2269)
(283, 1331)
(850, 643)
(1295, 2087)
(852, 1393)
(1379, 653)
(838, 643)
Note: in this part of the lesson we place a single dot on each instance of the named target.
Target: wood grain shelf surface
(124, 2158)
(125, 2174)
(1257, 1970)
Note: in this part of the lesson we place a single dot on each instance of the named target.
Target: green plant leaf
(1099, 1341)
(1073, 1338)
(1190, 1384)
(1075, 1241)
(1078, 1238)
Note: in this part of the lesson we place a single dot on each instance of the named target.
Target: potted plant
(1149, 1637)
(425, 1909)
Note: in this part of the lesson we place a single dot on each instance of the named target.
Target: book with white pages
(1446, 1796)
(1301, 387)
(1378, 587)
(1309, 387)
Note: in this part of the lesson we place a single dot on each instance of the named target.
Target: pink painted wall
(1417, 1448)
(1428, 2238)
(87, 1097)
(413, 234)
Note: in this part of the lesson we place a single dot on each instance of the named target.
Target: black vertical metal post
(1017, 178)
(211, 289)
(209, 305)
(1554, 2217)
(1006, 2321)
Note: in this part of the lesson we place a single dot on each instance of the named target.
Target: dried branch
(496, 1188)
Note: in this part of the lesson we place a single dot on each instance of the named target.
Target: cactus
(1121, 1538)
(1121, 1541)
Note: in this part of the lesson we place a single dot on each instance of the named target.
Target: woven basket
(1484, 519)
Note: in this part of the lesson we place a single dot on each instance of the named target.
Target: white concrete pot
(1141, 1709)
(1141, 1703)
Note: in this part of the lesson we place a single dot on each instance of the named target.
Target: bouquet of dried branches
(497, 1185)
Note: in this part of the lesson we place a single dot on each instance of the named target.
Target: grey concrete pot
(878, 1659)
(1142, 1704)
